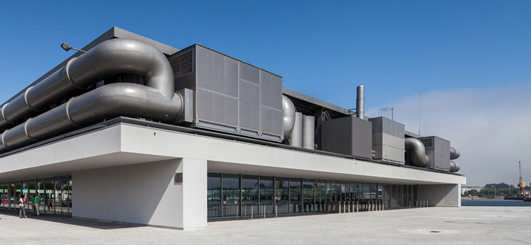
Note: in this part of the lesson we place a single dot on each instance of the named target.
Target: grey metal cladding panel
(387, 139)
(336, 136)
(216, 72)
(376, 124)
(271, 90)
(249, 73)
(249, 110)
(362, 137)
(388, 126)
(438, 150)
(216, 108)
(442, 153)
(271, 121)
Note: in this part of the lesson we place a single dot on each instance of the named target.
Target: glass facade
(54, 195)
(245, 196)
(233, 196)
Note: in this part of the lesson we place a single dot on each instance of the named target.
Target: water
(495, 202)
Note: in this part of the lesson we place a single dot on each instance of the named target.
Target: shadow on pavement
(97, 224)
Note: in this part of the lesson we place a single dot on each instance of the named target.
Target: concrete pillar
(193, 193)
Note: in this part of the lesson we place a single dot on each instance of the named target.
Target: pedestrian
(22, 210)
(36, 202)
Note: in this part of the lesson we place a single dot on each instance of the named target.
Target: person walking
(22, 210)
(36, 202)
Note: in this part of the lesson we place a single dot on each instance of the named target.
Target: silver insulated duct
(288, 116)
(295, 138)
(416, 152)
(360, 102)
(308, 132)
(156, 100)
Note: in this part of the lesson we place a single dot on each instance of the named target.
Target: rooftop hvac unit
(388, 139)
(438, 151)
(347, 135)
(230, 95)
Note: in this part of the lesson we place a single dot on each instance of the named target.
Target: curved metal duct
(118, 99)
(454, 154)
(454, 167)
(108, 58)
(288, 116)
(157, 100)
(416, 152)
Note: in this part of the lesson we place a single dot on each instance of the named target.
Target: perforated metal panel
(230, 95)
(438, 150)
(388, 139)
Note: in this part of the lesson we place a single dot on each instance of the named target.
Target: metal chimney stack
(360, 102)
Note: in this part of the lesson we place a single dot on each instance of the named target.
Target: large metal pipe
(118, 99)
(288, 119)
(295, 138)
(308, 132)
(454, 154)
(360, 102)
(156, 100)
(108, 58)
(416, 152)
(454, 167)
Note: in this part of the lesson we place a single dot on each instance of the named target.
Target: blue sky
(322, 48)
(398, 49)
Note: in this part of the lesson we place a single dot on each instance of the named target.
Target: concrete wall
(441, 195)
(149, 193)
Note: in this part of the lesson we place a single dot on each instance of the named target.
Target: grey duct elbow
(454, 167)
(416, 152)
(454, 154)
(111, 57)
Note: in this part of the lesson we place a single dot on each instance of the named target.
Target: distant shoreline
(484, 198)
(495, 202)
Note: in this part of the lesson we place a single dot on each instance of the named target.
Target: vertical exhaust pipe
(360, 102)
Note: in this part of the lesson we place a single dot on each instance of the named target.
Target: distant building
(138, 131)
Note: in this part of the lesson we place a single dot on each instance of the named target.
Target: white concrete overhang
(123, 144)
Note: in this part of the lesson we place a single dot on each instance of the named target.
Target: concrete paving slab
(465, 225)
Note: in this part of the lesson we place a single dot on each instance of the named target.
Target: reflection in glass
(250, 199)
(282, 196)
(231, 195)
(214, 195)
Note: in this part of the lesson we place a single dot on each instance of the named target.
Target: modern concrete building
(137, 131)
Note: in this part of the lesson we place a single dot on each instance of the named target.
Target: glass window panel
(231, 195)
(231, 190)
(214, 195)
(295, 196)
(282, 196)
(250, 190)
(47, 186)
(266, 190)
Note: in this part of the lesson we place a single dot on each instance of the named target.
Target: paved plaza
(465, 225)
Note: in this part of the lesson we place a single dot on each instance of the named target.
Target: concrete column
(443, 195)
(193, 189)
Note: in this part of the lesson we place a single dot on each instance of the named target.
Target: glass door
(282, 196)
(231, 195)
(47, 188)
(250, 198)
